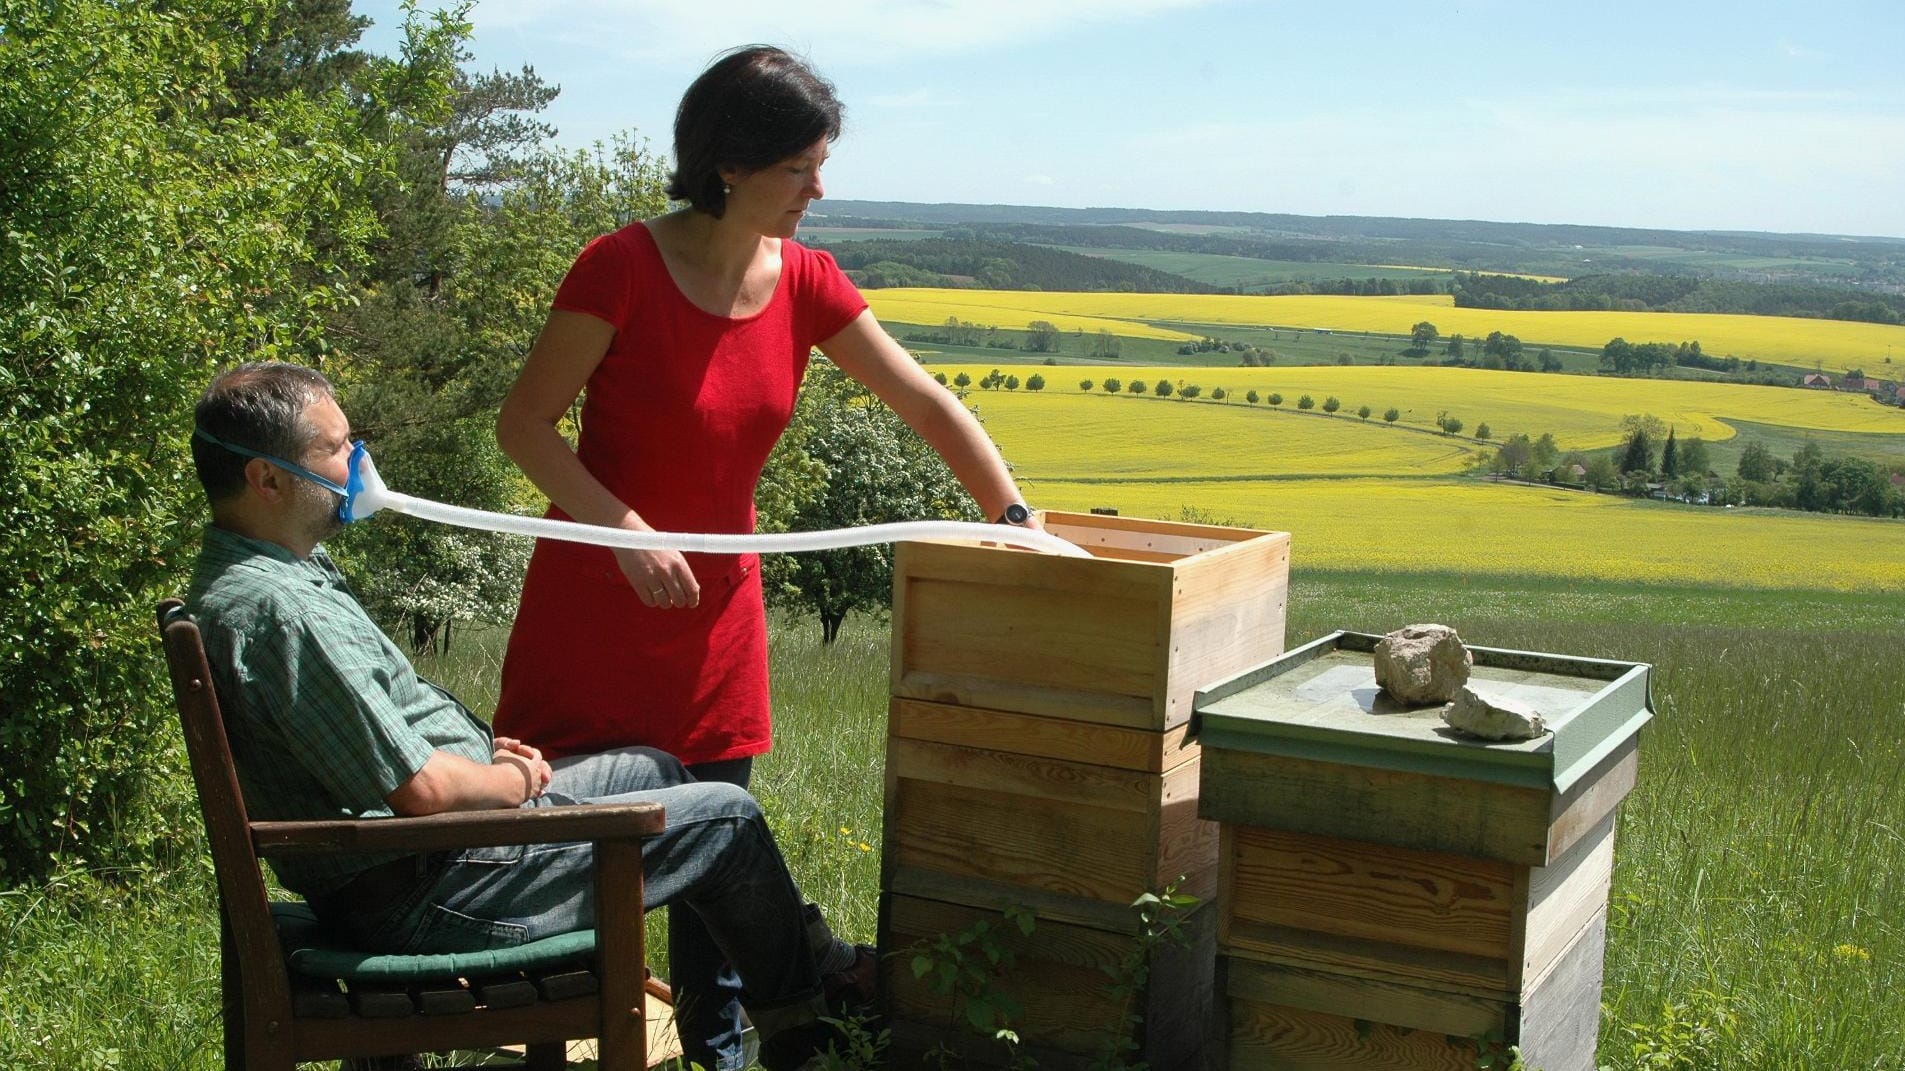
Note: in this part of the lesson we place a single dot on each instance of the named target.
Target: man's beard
(317, 517)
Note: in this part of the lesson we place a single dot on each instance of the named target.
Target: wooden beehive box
(1037, 756)
(1394, 894)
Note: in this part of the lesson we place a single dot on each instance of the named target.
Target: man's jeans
(716, 858)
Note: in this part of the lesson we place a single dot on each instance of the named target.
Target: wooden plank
(1480, 976)
(1564, 898)
(1123, 535)
(1226, 617)
(1032, 779)
(1107, 915)
(1062, 975)
(1052, 738)
(1374, 892)
(1561, 1018)
(1066, 848)
(1415, 1007)
(1593, 798)
(1088, 657)
(1271, 1037)
(1187, 843)
(1477, 818)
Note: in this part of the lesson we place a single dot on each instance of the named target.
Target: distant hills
(1033, 247)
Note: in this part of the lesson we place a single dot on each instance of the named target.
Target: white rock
(1422, 664)
(1493, 719)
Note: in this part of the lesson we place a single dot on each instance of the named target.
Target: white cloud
(1040, 180)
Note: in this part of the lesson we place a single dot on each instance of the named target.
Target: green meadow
(1760, 862)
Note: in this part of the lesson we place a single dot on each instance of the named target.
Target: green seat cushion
(311, 951)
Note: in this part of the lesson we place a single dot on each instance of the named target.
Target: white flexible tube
(370, 495)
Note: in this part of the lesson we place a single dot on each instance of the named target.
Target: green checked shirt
(325, 715)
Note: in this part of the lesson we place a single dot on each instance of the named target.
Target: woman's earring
(726, 189)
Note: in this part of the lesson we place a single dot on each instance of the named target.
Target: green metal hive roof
(1320, 702)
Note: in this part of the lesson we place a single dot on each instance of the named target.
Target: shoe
(802, 1047)
(852, 991)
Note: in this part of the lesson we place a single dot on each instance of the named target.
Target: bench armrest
(461, 829)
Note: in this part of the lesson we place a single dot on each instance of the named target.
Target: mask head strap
(348, 491)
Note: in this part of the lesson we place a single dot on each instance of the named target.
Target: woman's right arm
(565, 355)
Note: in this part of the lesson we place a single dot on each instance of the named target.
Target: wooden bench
(291, 993)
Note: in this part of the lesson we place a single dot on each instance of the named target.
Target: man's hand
(536, 773)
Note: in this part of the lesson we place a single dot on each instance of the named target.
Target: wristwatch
(1016, 513)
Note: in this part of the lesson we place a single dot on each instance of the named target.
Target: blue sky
(1737, 116)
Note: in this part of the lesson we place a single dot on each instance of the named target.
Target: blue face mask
(347, 491)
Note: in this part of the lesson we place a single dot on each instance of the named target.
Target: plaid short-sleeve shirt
(325, 715)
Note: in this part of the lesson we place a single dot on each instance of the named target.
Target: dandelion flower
(1852, 954)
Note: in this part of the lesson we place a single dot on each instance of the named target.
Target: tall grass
(1756, 917)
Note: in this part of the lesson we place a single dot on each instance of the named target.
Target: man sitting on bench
(328, 719)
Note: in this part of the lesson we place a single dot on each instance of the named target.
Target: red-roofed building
(1817, 380)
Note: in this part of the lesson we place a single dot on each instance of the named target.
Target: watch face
(1016, 513)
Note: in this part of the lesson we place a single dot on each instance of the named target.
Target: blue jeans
(708, 991)
(716, 860)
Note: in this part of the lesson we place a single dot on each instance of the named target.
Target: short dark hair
(752, 107)
(259, 406)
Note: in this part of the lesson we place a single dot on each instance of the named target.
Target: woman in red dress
(690, 333)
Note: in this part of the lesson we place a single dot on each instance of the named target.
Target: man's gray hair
(259, 406)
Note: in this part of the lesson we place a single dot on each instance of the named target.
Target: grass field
(1833, 344)
(1759, 862)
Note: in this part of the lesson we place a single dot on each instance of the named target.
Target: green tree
(1035, 382)
(1251, 396)
(1455, 348)
(1104, 345)
(1483, 431)
(1670, 456)
(1162, 389)
(1363, 411)
(1012, 382)
(1694, 459)
(875, 471)
(1275, 399)
(1637, 454)
(940, 378)
(1085, 385)
(1392, 414)
(1189, 390)
(153, 225)
(1219, 394)
(1136, 386)
(1421, 336)
(1042, 336)
(1331, 404)
(1548, 361)
(1306, 402)
(962, 381)
(1756, 463)
(1112, 385)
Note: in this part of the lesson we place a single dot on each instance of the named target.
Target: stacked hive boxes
(1395, 895)
(1037, 759)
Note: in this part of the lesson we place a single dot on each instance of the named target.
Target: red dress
(677, 421)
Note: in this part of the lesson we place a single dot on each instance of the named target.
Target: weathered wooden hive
(1037, 758)
(1393, 894)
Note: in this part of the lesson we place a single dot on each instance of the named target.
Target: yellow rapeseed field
(1473, 526)
(1581, 412)
(1834, 344)
(1060, 433)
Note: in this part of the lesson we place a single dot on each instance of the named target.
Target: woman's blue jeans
(716, 861)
